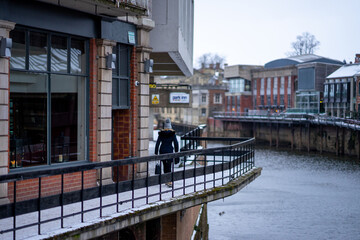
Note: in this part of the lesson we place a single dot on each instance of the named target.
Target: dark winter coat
(165, 140)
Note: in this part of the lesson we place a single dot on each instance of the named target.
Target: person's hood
(166, 133)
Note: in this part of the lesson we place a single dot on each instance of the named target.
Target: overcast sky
(258, 31)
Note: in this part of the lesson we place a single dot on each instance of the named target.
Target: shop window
(121, 77)
(48, 109)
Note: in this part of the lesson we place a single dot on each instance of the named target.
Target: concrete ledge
(155, 210)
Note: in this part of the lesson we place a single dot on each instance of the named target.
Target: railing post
(117, 187)
(39, 206)
(82, 196)
(14, 211)
(62, 201)
(100, 191)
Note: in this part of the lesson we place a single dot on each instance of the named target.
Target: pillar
(143, 50)
(300, 137)
(321, 138)
(277, 135)
(5, 28)
(104, 107)
(292, 136)
(343, 141)
(308, 133)
(358, 138)
(270, 134)
(337, 141)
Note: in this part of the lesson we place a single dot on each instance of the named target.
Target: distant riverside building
(342, 91)
(287, 84)
(239, 96)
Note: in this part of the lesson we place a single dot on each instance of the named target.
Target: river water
(297, 196)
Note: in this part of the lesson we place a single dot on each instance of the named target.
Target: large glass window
(326, 90)
(48, 107)
(239, 85)
(121, 77)
(338, 91)
(332, 91)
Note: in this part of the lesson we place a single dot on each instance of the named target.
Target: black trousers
(167, 165)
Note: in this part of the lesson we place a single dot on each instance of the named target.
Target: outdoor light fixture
(110, 61)
(148, 65)
(5, 47)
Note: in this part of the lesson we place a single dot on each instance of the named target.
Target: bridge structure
(208, 169)
(302, 131)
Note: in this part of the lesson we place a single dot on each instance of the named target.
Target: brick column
(5, 28)
(104, 105)
(143, 50)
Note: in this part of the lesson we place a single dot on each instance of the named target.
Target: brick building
(287, 84)
(75, 90)
(239, 97)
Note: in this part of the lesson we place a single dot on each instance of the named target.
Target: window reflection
(18, 50)
(77, 57)
(59, 54)
(38, 51)
(67, 118)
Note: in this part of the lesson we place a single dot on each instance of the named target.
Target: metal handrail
(211, 167)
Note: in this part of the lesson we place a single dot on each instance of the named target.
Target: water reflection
(298, 196)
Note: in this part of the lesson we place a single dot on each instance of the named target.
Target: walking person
(166, 140)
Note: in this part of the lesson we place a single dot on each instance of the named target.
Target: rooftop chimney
(357, 58)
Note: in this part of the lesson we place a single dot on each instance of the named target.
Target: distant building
(341, 91)
(239, 96)
(292, 84)
(274, 86)
(207, 94)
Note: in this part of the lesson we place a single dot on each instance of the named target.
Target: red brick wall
(168, 227)
(121, 140)
(245, 102)
(28, 189)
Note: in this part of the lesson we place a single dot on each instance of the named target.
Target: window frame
(49, 73)
(118, 76)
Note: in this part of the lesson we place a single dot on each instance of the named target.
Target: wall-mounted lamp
(5, 47)
(110, 61)
(148, 65)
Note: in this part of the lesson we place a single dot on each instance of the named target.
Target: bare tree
(209, 59)
(304, 44)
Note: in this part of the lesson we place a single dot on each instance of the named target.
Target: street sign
(179, 97)
(155, 99)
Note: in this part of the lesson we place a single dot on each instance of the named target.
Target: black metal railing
(288, 118)
(114, 192)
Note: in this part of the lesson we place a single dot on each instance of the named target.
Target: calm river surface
(297, 196)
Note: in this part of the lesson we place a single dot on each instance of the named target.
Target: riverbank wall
(296, 135)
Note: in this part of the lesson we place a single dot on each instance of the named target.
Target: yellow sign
(155, 98)
(153, 85)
